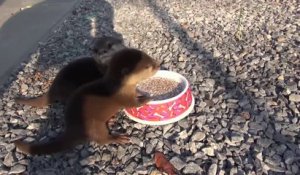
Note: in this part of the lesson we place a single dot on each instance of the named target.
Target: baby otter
(78, 72)
(91, 105)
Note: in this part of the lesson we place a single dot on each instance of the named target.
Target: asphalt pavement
(25, 23)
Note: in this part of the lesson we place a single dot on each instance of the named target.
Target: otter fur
(91, 105)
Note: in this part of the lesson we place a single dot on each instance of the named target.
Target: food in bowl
(166, 107)
(160, 88)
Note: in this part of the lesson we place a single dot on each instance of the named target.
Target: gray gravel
(241, 58)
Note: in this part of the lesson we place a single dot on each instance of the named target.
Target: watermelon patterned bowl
(166, 111)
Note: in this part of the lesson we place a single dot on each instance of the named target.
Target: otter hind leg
(103, 137)
(61, 143)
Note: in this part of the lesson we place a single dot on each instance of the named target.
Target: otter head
(132, 66)
(103, 48)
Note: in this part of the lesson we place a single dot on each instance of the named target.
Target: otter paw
(121, 139)
(143, 99)
(111, 122)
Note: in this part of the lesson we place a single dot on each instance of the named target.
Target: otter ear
(125, 71)
(93, 49)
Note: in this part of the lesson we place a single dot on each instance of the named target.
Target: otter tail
(40, 101)
(59, 144)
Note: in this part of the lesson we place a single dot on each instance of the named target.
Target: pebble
(209, 151)
(294, 98)
(192, 168)
(106, 157)
(264, 142)
(213, 169)
(24, 87)
(17, 169)
(131, 167)
(193, 147)
(149, 148)
(236, 137)
(176, 148)
(295, 168)
(183, 135)
(289, 157)
(198, 136)
(87, 161)
(177, 162)
(9, 159)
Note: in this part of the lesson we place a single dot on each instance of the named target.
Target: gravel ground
(241, 57)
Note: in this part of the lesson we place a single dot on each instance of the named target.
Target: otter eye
(109, 45)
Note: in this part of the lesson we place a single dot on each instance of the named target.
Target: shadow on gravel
(233, 90)
(1, 2)
(55, 53)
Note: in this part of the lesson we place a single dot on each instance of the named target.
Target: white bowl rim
(164, 122)
(185, 82)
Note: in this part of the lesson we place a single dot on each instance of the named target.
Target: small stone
(281, 39)
(192, 168)
(155, 172)
(217, 53)
(136, 140)
(150, 135)
(87, 161)
(246, 115)
(149, 148)
(209, 151)
(138, 125)
(294, 98)
(40, 111)
(218, 136)
(84, 153)
(178, 163)
(141, 170)
(295, 169)
(221, 156)
(193, 147)
(181, 58)
(176, 148)
(264, 142)
(289, 157)
(213, 169)
(184, 124)
(198, 136)
(131, 167)
(183, 134)
(24, 87)
(256, 126)
(10, 147)
(106, 157)
(33, 126)
(233, 171)
(17, 169)
(273, 168)
(236, 137)
(9, 159)
(259, 156)
(210, 82)
(280, 149)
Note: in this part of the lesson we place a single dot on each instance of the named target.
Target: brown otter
(78, 72)
(91, 105)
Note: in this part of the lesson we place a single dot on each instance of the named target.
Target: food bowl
(165, 111)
